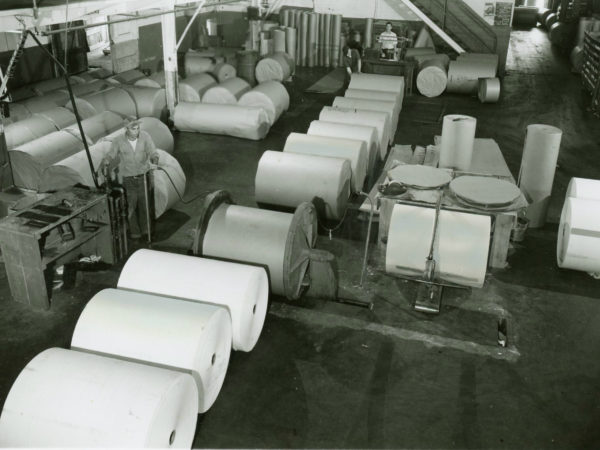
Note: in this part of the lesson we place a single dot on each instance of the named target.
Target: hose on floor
(185, 202)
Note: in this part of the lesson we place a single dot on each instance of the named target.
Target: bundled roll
(278, 40)
(432, 78)
(551, 19)
(364, 133)
(165, 194)
(288, 179)
(271, 96)
(464, 75)
(372, 82)
(186, 336)
(17, 112)
(76, 399)
(127, 77)
(98, 126)
(461, 245)
(232, 120)
(360, 104)
(27, 130)
(540, 154)
(578, 245)
(149, 102)
(489, 90)
(379, 120)
(290, 42)
(48, 101)
(277, 67)
(193, 88)
(458, 139)
(115, 99)
(59, 116)
(195, 64)
(227, 92)
(223, 71)
(584, 188)
(242, 289)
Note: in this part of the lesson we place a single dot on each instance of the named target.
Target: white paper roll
(379, 120)
(165, 195)
(27, 130)
(193, 87)
(271, 96)
(242, 289)
(88, 88)
(432, 78)
(278, 40)
(223, 71)
(584, 188)
(464, 75)
(149, 102)
(288, 179)
(386, 96)
(232, 120)
(276, 67)
(113, 99)
(17, 112)
(159, 132)
(489, 58)
(195, 64)
(353, 151)
(540, 154)
(461, 248)
(128, 77)
(48, 101)
(75, 399)
(372, 105)
(489, 90)
(458, 138)
(227, 92)
(43, 87)
(97, 126)
(578, 245)
(373, 82)
(59, 116)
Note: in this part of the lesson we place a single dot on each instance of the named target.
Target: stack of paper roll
(276, 67)
(127, 77)
(223, 71)
(195, 64)
(232, 120)
(364, 133)
(464, 74)
(149, 101)
(385, 96)
(461, 245)
(50, 100)
(458, 138)
(540, 154)
(432, 78)
(61, 117)
(204, 280)
(16, 112)
(288, 179)
(271, 96)
(373, 82)
(388, 107)
(186, 336)
(27, 130)
(227, 92)
(97, 126)
(193, 87)
(115, 99)
(379, 120)
(578, 244)
(167, 189)
(78, 399)
(489, 90)
(353, 151)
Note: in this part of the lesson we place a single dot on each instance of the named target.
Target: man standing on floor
(133, 153)
(389, 41)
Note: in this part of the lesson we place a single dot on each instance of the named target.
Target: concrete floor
(333, 376)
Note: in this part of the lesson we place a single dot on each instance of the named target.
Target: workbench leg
(503, 225)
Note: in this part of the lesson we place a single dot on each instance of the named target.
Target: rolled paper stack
(27, 130)
(458, 139)
(271, 96)
(464, 75)
(97, 126)
(149, 101)
(194, 87)
(227, 92)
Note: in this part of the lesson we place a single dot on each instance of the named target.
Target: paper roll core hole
(254, 309)
(172, 437)
(213, 359)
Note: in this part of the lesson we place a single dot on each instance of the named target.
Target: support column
(169, 41)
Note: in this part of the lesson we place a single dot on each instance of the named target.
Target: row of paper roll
(145, 358)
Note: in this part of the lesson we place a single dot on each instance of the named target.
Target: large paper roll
(48, 101)
(114, 99)
(464, 75)
(278, 40)
(84, 109)
(460, 251)
(195, 64)
(88, 88)
(458, 138)
(149, 101)
(584, 188)
(233, 120)
(364, 133)
(193, 87)
(271, 96)
(290, 42)
(128, 77)
(242, 289)
(159, 132)
(246, 63)
(578, 245)
(288, 179)
(379, 120)
(489, 90)
(432, 78)
(388, 107)
(98, 126)
(18, 112)
(223, 71)
(43, 87)
(313, 23)
(165, 195)
(412, 52)
(540, 154)
(227, 92)
(373, 82)
(277, 67)
(186, 336)
(336, 31)
(59, 116)
(76, 399)
(386, 96)
(353, 151)
(27, 130)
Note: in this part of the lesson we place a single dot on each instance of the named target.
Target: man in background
(389, 41)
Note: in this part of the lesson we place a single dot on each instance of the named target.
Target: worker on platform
(389, 41)
(133, 154)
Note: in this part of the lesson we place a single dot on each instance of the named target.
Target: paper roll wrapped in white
(540, 154)
(354, 151)
(464, 75)
(18, 112)
(59, 116)
(363, 133)
(432, 78)
(42, 87)
(193, 88)
(288, 179)
(278, 40)
(386, 96)
(379, 120)
(98, 126)
(578, 245)
(186, 336)
(232, 120)
(27, 130)
(48, 101)
(159, 132)
(584, 188)
(373, 82)
(165, 195)
(277, 67)
(439, 57)
(372, 105)
(242, 289)
(127, 77)
(113, 99)
(149, 102)
(489, 58)
(489, 90)
(458, 139)
(195, 64)
(227, 92)
(76, 399)
(460, 251)
(271, 96)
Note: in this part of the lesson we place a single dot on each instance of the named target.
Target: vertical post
(169, 41)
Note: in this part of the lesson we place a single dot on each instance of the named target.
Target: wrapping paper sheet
(76, 399)
(489, 90)
(227, 92)
(193, 88)
(232, 120)
(288, 179)
(276, 67)
(458, 138)
(26, 130)
(186, 336)
(460, 252)
(165, 195)
(353, 151)
(578, 245)
(278, 40)
(149, 102)
(17, 112)
(242, 289)
(372, 105)
(88, 88)
(584, 188)
(432, 78)
(271, 96)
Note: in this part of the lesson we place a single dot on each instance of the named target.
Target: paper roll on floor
(489, 90)
(48, 101)
(223, 71)
(59, 116)
(276, 67)
(458, 139)
(386, 96)
(578, 245)
(432, 78)
(354, 151)
(98, 126)
(149, 101)
(27, 130)
(76, 399)
(242, 289)
(288, 179)
(461, 248)
(584, 188)
(373, 82)
(159, 132)
(232, 120)
(227, 92)
(271, 96)
(165, 195)
(195, 64)
(186, 336)
(538, 164)
(114, 99)
(464, 75)
(388, 107)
